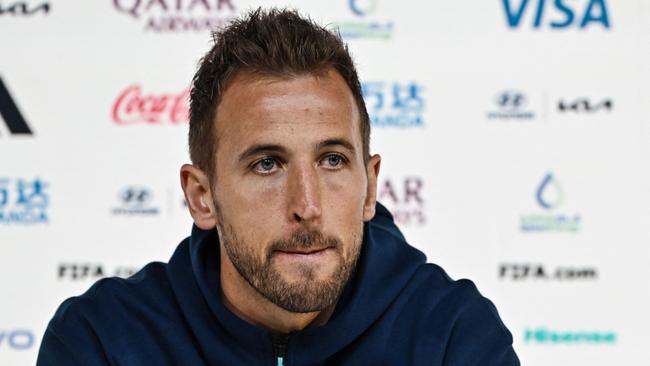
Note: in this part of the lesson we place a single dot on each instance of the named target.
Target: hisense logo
(550, 337)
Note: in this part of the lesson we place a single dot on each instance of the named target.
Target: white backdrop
(513, 133)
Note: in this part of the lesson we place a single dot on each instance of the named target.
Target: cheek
(251, 208)
(344, 198)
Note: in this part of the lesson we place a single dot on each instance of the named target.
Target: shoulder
(383, 221)
(113, 313)
(111, 298)
(459, 296)
(465, 321)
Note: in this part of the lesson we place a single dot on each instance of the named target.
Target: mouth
(305, 256)
(310, 251)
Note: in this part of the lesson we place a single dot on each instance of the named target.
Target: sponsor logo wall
(511, 105)
(544, 336)
(24, 8)
(16, 339)
(513, 133)
(133, 106)
(365, 19)
(540, 272)
(550, 198)
(23, 201)
(135, 201)
(404, 198)
(394, 104)
(73, 271)
(558, 14)
(177, 15)
(13, 119)
(585, 105)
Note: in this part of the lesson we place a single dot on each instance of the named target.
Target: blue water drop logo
(362, 7)
(549, 193)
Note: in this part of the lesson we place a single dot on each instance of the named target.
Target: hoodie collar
(385, 265)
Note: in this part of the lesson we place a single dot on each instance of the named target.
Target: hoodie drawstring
(279, 342)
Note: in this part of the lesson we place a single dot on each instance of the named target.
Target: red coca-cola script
(132, 107)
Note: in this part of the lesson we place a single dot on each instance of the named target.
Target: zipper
(279, 342)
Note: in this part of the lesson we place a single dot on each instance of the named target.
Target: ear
(198, 195)
(372, 171)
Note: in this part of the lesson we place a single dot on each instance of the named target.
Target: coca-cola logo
(178, 15)
(133, 106)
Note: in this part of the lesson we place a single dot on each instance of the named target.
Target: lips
(303, 251)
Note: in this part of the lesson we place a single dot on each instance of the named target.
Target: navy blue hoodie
(396, 310)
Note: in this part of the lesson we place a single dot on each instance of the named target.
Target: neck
(248, 304)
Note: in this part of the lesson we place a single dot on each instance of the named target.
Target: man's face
(290, 186)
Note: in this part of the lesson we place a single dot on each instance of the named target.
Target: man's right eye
(265, 166)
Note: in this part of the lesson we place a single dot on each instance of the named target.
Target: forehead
(267, 109)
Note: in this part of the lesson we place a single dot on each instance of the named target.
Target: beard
(306, 295)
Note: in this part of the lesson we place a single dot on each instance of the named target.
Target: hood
(385, 266)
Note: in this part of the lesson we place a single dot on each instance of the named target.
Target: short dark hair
(277, 42)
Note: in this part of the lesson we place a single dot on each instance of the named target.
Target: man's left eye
(333, 161)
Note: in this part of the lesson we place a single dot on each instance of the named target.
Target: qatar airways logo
(178, 15)
(404, 198)
(135, 106)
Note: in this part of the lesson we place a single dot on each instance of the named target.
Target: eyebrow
(337, 142)
(267, 148)
(261, 148)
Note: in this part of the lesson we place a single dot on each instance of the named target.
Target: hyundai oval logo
(135, 195)
(511, 99)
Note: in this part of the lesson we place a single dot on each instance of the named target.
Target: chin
(306, 275)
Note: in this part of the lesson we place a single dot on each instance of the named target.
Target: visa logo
(556, 13)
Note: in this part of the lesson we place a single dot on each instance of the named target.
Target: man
(291, 261)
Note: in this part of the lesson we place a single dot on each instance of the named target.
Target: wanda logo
(133, 107)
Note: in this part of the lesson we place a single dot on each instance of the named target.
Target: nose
(304, 194)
